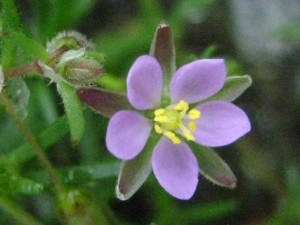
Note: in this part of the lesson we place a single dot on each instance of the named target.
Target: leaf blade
(73, 110)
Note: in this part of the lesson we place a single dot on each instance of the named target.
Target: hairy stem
(26, 132)
(26, 69)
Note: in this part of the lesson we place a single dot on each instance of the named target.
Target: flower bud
(81, 71)
(70, 39)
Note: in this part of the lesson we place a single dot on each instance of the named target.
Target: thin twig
(26, 132)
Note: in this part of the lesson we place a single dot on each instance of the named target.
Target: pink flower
(185, 118)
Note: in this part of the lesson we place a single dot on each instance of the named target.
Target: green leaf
(79, 174)
(133, 173)
(17, 212)
(10, 22)
(213, 167)
(234, 86)
(10, 16)
(102, 101)
(163, 49)
(12, 184)
(73, 110)
(208, 211)
(53, 16)
(77, 208)
(46, 138)
(82, 174)
(19, 93)
(28, 45)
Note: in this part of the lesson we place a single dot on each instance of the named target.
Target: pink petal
(144, 83)
(175, 168)
(198, 80)
(221, 123)
(127, 134)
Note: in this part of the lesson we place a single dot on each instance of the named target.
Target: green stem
(26, 69)
(26, 132)
(17, 212)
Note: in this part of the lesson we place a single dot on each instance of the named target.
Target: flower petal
(198, 80)
(221, 123)
(127, 134)
(144, 83)
(175, 168)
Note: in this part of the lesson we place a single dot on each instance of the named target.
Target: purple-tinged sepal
(212, 167)
(234, 86)
(103, 101)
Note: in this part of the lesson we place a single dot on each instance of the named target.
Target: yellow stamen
(159, 112)
(188, 135)
(194, 114)
(192, 126)
(158, 129)
(176, 140)
(160, 118)
(169, 122)
(182, 106)
(172, 136)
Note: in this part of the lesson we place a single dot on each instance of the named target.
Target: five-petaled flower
(188, 118)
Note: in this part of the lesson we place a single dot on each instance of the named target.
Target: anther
(192, 126)
(194, 114)
(159, 112)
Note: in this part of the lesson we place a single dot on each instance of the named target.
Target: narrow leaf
(10, 22)
(209, 211)
(213, 167)
(81, 174)
(46, 138)
(10, 16)
(12, 184)
(133, 173)
(78, 174)
(17, 212)
(19, 93)
(30, 46)
(102, 101)
(234, 86)
(73, 110)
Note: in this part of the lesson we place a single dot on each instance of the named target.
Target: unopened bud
(69, 39)
(82, 71)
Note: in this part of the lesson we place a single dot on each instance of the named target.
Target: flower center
(169, 121)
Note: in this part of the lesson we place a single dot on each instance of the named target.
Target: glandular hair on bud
(71, 40)
(82, 71)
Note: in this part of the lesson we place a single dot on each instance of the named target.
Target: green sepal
(102, 101)
(73, 109)
(234, 86)
(162, 48)
(213, 167)
(13, 184)
(133, 173)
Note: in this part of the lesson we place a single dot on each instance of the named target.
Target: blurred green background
(258, 38)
